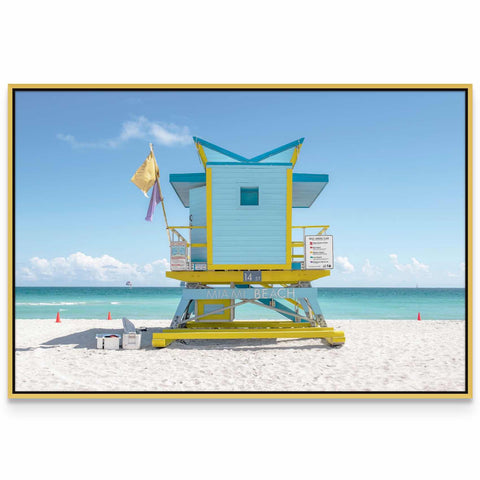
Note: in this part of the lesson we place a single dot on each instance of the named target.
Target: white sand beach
(379, 355)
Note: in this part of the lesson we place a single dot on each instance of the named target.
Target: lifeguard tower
(239, 249)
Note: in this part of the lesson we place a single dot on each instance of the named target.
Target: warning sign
(319, 252)
(178, 256)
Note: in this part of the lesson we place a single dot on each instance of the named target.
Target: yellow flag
(146, 175)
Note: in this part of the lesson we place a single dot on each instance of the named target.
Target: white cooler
(108, 341)
(131, 341)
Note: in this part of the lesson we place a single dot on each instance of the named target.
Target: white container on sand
(131, 341)
(108, 341)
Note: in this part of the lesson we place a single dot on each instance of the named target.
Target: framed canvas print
(239, 241)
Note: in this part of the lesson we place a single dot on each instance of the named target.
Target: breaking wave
(50, 303)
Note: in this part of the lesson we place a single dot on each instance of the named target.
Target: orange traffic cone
(419, 317)
(58, 318)
(109, 316)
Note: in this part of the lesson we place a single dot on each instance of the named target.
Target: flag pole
(161, 197)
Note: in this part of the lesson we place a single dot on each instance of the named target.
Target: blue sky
(395, 201)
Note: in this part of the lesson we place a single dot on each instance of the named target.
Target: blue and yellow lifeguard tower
(239, 249)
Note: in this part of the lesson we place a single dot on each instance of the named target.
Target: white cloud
(170, 134)
(148, 268)
(345, 265)
(415, 267)
(370, 270)
(79, 268)
(461, 267)
(394, 257)
(167, 134)
(26, 274)
(162, 262)
(419, 266)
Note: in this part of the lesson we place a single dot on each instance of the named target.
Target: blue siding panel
(198, 216)
(249, 234)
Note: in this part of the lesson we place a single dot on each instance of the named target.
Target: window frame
(250, 189)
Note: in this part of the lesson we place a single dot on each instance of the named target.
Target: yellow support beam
(161, 342)
(186, 226)
(208, 186)
(201, 152)
(226, 303)
(268, 285)
(247, 324)
(311, 226)
(294, 302)
(331, 336)
(249, 266)
(236, 276)
(288, 258)
(295, 154)
(268, 332)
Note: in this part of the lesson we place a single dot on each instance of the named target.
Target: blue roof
(215, 154)
(306, 187)
(182, 183)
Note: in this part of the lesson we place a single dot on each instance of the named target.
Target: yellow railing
(301, 244)
(181, 238)
(321, 232)
(294, 244)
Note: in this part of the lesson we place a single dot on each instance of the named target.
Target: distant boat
(129, 284)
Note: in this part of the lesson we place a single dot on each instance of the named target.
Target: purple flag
(154, 201)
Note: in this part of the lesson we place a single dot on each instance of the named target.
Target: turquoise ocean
(160, 303)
